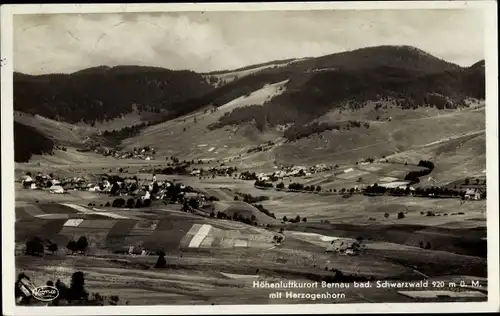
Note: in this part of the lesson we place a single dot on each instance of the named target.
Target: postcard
(250, 158)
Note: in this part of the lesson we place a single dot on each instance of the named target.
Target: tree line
(413, 176)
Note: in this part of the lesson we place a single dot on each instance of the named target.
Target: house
(263, 178)
(27, 182)
(146, 196)
(473, 194)
(56, 189)
(195, 172)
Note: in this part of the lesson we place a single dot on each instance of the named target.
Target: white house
(27, 179)
(146, 196)
(473, 194)
(56, 189)
(195, 172)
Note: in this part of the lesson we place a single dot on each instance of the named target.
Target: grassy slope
(61, 132)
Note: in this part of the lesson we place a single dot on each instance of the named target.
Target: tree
(304, 219)
(401, 215)
(34, 247)
(114, 299)
(285, 219)
(138, 203)
(72, 246)
(130, 203)
(115, 189)
(147, 203)
(428, 245)
(161, 263)
(467, 181)
(53, 248)
(77, 286)
(82, 244)
(236, 198)
(318, 188)
(386, 215)
(421, 244)
(118, 203)
(280, 186)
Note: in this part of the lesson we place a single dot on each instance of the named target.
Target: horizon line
(245, 66)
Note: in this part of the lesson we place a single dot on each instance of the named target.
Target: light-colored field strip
(200, 235)
(77, 207)
(75, 222)
(435, 294)
(304, 234)
(239, 276)
(109, 214)
(93, 212)
(53, 216)
(370, 168)
(394, 184)
(387, 179)
(240, 243)
(328, 238)
(320, 237)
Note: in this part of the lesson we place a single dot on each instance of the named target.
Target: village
(146, 189)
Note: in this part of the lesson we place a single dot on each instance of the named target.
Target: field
(207, 257)
(292, 236)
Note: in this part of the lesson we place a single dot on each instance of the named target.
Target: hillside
(314, 92)
(103, 93)
(308, 108)
(28, 141)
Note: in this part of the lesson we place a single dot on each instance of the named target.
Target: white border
(8, 200)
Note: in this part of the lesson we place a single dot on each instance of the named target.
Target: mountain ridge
(404, 75)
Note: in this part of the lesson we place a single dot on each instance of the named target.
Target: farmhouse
(263, 177)
(27, 182)
(344, 247)
(196, 172)
(473, 194)
(56, 189)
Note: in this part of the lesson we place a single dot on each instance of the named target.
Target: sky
(210, 41)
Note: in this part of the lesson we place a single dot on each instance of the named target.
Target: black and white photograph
(276, 157)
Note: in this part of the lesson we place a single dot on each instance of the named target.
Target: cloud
(224, 40)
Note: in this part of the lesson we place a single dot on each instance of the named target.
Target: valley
(291, 170)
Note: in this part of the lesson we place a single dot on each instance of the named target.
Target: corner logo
(45, 293)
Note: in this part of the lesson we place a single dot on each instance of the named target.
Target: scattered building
(473, 194)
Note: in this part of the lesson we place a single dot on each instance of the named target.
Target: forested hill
(408, 75)
(28, 141)
(315, 86)
(104, 93)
